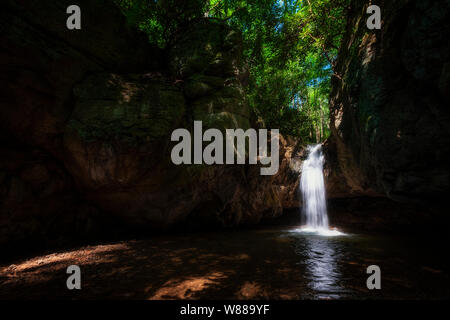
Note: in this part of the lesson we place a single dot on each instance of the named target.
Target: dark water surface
(270, 263)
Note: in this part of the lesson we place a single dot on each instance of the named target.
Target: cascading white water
(312, 187)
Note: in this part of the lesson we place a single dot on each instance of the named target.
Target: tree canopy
(290, 47)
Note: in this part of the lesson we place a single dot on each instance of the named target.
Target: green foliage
(162, 19)
(290, 47)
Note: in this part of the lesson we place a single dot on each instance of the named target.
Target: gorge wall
(86, 118)
(390, 104)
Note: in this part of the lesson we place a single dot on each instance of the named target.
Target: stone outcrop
(41, 62)
(117, 140)
(390, 103)
(86, 118)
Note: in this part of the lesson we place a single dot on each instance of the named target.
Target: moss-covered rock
(130, 109)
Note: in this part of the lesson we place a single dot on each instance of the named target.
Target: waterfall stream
(312, 186)
(313, 189)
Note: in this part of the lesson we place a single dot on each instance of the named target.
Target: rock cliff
(86, 119)
(390, 103)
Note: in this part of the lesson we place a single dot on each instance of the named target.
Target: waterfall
(312, 187)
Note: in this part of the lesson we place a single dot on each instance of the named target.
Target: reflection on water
(322, 267)
(335, 266)
(321, 256)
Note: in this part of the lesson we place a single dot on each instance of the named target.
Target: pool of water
(269, 263)
(335, 267)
